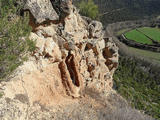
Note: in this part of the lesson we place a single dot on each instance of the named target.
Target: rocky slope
(70, 71)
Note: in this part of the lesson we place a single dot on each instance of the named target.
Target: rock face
(71, 56)
(42, 10)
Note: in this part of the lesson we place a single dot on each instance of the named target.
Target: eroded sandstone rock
(85, 57)
(71, 56)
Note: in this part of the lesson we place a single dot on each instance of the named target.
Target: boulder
(62, 7)
(52, 10)
(42, 10)
(95, 29)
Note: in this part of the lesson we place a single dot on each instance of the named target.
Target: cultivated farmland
(137, 37)
(144, 35)
(153, 33)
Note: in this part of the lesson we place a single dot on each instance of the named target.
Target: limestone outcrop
(42, 10)
(48, 10)
(71, 55)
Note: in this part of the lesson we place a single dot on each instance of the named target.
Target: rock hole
(88, 46)
(71, 66)
(47, 55)
(107, 53)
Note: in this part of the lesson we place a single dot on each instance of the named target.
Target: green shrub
(14, 33)
(138, 87)
(88, 8)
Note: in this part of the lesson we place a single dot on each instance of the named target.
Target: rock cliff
(72, 57)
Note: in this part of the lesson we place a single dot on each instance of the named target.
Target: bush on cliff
(88, 8)
(14, 41)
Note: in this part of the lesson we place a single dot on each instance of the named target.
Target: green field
(153, 33)
(138, 37)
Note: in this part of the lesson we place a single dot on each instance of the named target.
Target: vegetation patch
(88, 8)
(137, 37)
(138, 87)
(14, 33)
(123, 10)
(153, 33)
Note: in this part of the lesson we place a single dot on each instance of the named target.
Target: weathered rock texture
(42, 10)
(72, 55)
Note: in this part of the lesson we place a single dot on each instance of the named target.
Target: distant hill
(121, 10)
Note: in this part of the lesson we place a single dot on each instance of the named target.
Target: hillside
(68, 69)
(112, 11)
(137, 77)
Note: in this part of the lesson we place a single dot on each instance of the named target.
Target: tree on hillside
(88, 8)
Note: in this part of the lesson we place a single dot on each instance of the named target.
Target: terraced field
(144, 35)
(137, 37)
(153, 33)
